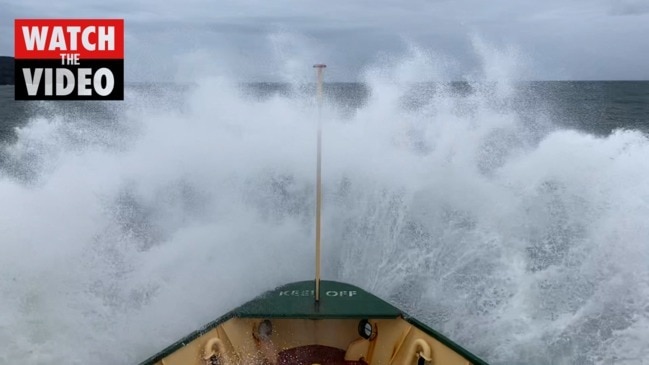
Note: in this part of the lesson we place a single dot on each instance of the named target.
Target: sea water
(510, 216)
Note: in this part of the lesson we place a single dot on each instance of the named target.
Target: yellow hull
(237, 342)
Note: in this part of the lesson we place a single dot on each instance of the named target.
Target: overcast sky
(275, 39)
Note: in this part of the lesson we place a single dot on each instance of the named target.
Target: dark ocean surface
(591, 106)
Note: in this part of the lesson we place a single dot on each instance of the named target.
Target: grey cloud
(630, 7)
(577, 39)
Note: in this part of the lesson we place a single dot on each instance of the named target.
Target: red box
(49, 38)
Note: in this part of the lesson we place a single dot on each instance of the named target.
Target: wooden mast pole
(318, 213)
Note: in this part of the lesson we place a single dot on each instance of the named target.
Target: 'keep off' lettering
(310, 293)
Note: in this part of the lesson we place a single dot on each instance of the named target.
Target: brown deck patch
(315, 354)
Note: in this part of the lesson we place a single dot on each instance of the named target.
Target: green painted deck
(337, 300)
